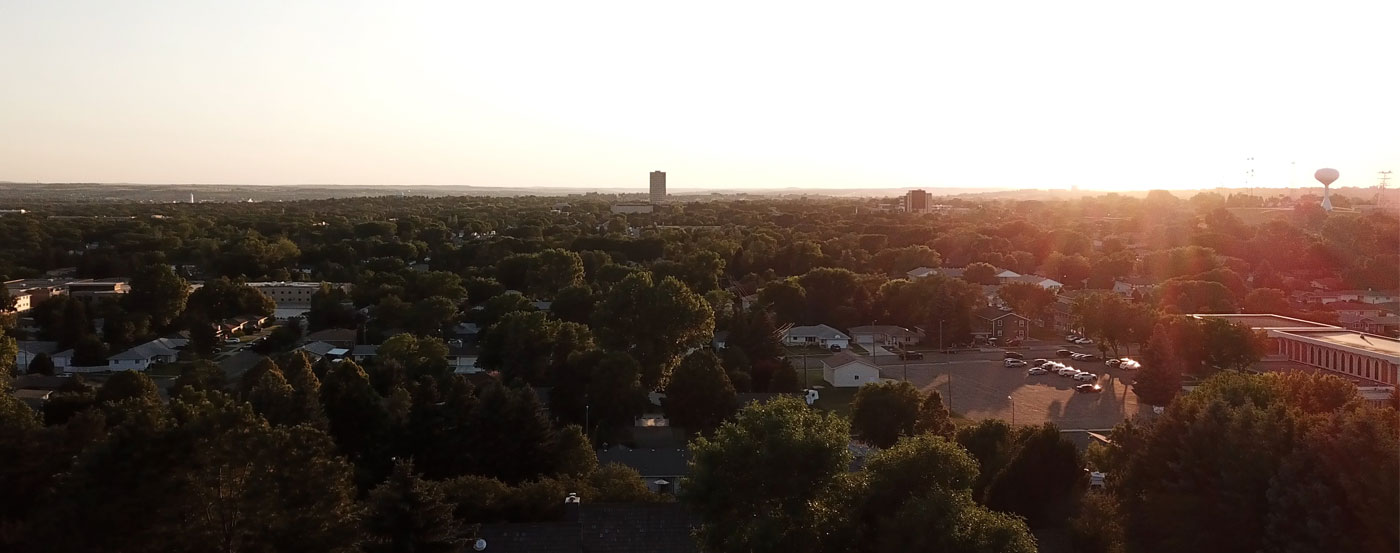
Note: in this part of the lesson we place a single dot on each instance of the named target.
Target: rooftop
(1266, 321)
(819, 331)
(1352, 339)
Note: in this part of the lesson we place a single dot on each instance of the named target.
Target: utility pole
(1380, 194)
(1013, 410)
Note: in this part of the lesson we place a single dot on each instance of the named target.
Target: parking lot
(977, 385)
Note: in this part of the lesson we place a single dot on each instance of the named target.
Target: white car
(1067, 371)
(1036, 371)
(1086, 377)
(1129, 364)
(1112, 362)
(1085, 341)
(1012, 363)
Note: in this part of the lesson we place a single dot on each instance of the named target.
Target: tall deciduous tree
(699, 395)
(768, 481)
(884, 411)
(158, 292)
(655, 322)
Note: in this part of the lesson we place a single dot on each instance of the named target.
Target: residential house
(848, 370)
(1005, 275)
(319, 350)
(27, 350)
(816, 335)
(886, 335)
(1383, 325)
(1127, 286)
(662, 470)
(921, 272)
(364, 352)
(462, 358)
(140, 358)
(1361, 296)
(338, 337)
(1355, 309)
(721, 340)
(1046, 283)
(1000, 324)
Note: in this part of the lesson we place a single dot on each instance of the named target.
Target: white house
(1048, 284)
(817, 335)
(921, 272)
(28, 350)
(140, 358)
(887, 335)
(848, 370)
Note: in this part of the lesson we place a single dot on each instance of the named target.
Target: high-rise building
(916, 201)
(658, 186)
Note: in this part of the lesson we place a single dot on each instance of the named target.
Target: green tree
(409, 515)
(1027, 299)
(980, 273)
(526, 345)
(786, 299)
(1040, 480)
(934, 417)
(653, 322)
(917, 496)
(882, 412)
(429, 315)
(158, 292)
(199, 376)
(40, 364)
(411, 358)
(768, 480)
(699, 396)
(358, 419)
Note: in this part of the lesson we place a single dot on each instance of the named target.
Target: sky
(1009, 94)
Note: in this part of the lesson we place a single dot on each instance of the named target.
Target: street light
(1013, 410)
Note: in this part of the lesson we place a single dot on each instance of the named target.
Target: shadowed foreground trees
(1260, 463)
(776, 479)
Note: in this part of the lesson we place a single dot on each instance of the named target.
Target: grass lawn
(836, 400)
(165, 369)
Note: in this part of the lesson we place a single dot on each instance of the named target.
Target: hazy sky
(1040, 94)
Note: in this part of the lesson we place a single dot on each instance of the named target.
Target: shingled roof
(600, 528)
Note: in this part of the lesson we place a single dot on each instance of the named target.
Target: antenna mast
(1381, 199)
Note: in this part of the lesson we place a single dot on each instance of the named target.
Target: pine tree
(409, 515)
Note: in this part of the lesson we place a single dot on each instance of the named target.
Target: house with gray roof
(816, 335)
(140, 358)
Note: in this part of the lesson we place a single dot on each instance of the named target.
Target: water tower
(1326, 177)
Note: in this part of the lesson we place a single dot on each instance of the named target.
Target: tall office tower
(658, 186)
(916, 201)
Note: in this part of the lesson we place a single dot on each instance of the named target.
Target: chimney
(571, 506)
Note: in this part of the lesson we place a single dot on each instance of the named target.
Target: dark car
(908, 355)
(836, 347)
(1014, 355)
(1091, 357)
(1063, 353)
(1088, 388)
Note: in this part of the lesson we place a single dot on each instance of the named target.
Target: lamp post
(1013, 410)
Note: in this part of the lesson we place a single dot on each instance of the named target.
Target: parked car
(1091, 357)
(231, 341)
(1013, 363)
(1113, 362)
(1013, 355)
(910, 355)
(1013, 342)
(1038, 362)
(836, 347)
(1036, 371)
(1085, 341)
(1067, 371)
(1130, 365)
(1088, 388)
(1053, 366)
(1086, 377)
(1063, 353)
